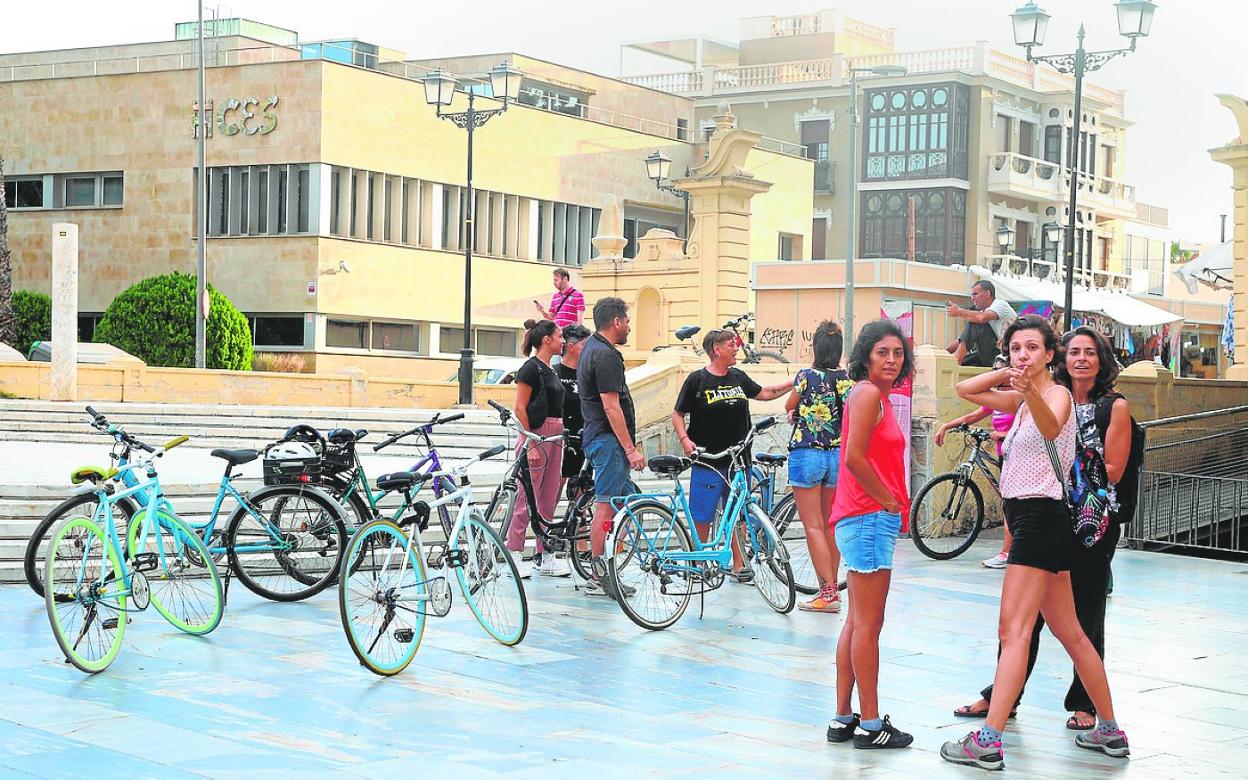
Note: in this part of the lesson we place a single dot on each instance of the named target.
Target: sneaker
(595, 587)
(968, 751)
(842, 732)
(819, 604)
(523, 568)
(554, 567)
(743, 576)
(1114, 744)
(995, 562)
(887, 737)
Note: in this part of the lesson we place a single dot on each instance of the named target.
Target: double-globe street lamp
(440, 89)
(658, 170)
(1135, 17)
(850, 239)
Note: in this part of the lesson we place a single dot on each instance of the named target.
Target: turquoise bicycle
(659, 563)
(92, 582)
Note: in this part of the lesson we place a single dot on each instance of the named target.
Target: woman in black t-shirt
(539, 409)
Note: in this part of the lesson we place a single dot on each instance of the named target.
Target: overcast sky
(1196, 50)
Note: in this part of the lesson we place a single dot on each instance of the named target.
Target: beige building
(335, 193)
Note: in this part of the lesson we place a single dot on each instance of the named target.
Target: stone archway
(649, 320)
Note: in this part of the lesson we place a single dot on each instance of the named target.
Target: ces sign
(248, 116)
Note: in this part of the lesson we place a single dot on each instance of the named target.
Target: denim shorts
(708, 488)
(610, 467)
(866, 542)
(813, 467)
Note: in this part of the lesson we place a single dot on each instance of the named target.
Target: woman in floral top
(815, 405)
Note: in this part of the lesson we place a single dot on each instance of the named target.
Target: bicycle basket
(291, 463)
(338, 458)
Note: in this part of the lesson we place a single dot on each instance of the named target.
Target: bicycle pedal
(146, 562)
(109, 624)
(404, 635)
(436, 553)
(457, 557)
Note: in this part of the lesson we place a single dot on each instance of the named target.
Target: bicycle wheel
(489, 580)
(581, 518)
(498, 512)
(381, 601)
(84, 597)
(181, 575)
(83, 505)
(790, 529)
(947, 516)
(769, 559)
(655, 589)
(285, 544)
(355, 508)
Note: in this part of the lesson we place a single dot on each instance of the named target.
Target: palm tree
(8, 334)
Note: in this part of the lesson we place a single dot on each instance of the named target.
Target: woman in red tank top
(868, 513)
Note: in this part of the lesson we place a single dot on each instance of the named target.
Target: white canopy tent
(1213, 268)
(1117, 306)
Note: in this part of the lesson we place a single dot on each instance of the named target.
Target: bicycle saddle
(400, 480)
(346, 436)
(668, 464)
(771, 458)
(236, 457)
(686, 331)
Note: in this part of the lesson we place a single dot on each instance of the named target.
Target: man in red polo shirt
(567, 305)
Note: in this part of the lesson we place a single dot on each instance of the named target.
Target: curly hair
(1035, 322)
(1108, 371)
(868, 337)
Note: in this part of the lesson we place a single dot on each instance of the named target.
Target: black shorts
(1043, 535)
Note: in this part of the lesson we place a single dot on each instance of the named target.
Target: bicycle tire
(315, 526)
(356, 510)
(35, 558)
(790, 529)
(961, 532)
(650, 577)
(370, 592)
(490, 581)
(773, 574)
(581, 518)
(773, 356)
(79, 557)
(187, 567)
(498, 512)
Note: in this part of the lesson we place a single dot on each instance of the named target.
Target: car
(491, 371)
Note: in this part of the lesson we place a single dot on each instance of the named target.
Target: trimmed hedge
(154, 320)
(32, 319)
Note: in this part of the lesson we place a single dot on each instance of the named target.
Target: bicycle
(657, 564)
(685, 333)
(948, 511)
(384, 594)
(282, 541)
(92, 582)
(571, 534)
(783, 513)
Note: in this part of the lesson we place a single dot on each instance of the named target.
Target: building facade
(335, 193)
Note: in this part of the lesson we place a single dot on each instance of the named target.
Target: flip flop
(965, 711)
(1073, 723)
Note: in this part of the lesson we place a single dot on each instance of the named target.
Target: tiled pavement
(742, 692)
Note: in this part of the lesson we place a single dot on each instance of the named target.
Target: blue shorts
(610, 467)
(866, 542)
(708, 489)
(812, 467)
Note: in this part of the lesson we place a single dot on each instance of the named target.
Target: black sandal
(965, 711)
(1073, 723)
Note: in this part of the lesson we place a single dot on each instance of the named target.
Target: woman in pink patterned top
(1039, 451)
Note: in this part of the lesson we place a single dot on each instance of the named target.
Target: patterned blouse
(821, 401)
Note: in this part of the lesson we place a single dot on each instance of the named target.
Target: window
(819, 238)
(917, 132)
(258, 200)
(790, 247)
(113, 190)
(1053, 144)
(497, 342)
(87, 323)
(682, 129)
(23, 193)
(343, 333)
(63, 190)
(451, 339)
(939, 225)
(277, 331)
(395, 336)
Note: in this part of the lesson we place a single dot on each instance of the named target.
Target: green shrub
(154, 320)
(32, 319)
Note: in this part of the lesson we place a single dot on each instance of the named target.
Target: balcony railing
(975, 60)
(1047, 270)
(1017, 174)
(825, 176)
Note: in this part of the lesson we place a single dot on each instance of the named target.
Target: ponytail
(535, 331)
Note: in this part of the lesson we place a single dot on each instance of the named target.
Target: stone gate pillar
(1235, 154)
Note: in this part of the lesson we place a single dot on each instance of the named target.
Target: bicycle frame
(463, 496)
(980, 460)
(429, 463)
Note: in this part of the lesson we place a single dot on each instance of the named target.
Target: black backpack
(1128, 488)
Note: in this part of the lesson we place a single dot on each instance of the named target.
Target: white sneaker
(995, 562)
(523, 567)
(554, 567)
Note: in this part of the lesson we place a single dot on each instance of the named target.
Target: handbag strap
(1051, 448)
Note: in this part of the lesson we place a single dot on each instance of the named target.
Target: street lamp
(659, 168)
(1135, 19)
(440, 89)
(876, 70)
(1005, 236)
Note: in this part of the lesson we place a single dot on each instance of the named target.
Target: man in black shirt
(610, 423)
(574, 338)
(716, 399)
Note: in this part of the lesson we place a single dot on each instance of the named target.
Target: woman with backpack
(1103, 449)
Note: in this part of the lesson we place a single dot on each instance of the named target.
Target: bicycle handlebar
(437, 420)
(734, 450)
(100, 423)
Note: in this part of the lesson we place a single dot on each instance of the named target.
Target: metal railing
(1194, 484)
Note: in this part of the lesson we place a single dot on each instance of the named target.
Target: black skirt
(1043, 535)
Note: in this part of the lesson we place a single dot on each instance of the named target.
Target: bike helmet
(290, 450)
(303, 432)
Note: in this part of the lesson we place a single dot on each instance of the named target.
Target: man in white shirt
(988, 311)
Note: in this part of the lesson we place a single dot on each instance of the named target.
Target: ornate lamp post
(1135, 18)
(1005, 237)
(658, 170)
(850, 239)
(440, 89)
